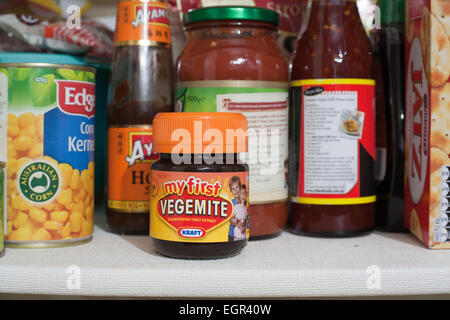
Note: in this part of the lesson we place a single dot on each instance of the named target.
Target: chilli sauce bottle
(141, 86)
(332, 124)
(389, 49)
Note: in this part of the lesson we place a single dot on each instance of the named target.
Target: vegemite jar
(199, 188)
(232, 63)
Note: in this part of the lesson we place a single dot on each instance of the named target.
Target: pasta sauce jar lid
(232, 13)
(200, 132)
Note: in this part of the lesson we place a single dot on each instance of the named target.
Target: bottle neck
(332, 10)
(333, 19)
(332, 43)
(334, 15)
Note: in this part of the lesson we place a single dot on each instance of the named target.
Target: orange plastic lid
(200, 132)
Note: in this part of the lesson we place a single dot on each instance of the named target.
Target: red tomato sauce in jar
(332, 129)
(231, 63)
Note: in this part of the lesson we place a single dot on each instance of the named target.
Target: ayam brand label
(196, 199)
(141, 148)
(76, 97)
(129, 165)
(150, 14)
(417, 134)
(142, 24)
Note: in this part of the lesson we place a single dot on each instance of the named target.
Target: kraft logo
(76, 97)
(191, 233)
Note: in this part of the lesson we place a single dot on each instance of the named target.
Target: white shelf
(287, 266)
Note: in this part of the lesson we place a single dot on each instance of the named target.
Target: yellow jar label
(199, 207)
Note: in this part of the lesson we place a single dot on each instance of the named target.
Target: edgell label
(50, 150)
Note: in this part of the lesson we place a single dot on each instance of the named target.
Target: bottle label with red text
(337, 141)
(199, 207)
(130, 157)
(143, 23)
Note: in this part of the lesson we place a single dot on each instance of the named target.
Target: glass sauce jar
(199, 188)
(332, 124)
(231, 63)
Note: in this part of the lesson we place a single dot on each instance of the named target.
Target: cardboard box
(427, 147)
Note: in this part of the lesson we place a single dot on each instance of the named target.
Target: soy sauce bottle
(141, 86)
(388, 46)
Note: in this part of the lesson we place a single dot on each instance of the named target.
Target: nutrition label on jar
(330, 150)
(265, 105)
(267, 116)
(442, 224)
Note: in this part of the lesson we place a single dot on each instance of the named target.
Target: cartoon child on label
(241, 215)
(238, 221)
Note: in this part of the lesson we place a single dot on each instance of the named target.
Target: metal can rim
(47, 244)
(47, 65)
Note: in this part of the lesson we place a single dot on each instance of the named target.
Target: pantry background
(286, 267)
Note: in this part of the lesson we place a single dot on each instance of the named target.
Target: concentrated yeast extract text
(50, 152)
(337, 141)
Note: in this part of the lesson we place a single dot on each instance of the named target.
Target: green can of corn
(50, 149)
(2, 207)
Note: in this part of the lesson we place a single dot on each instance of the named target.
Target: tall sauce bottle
(389, 48)
(332, 124)
(141, 86)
